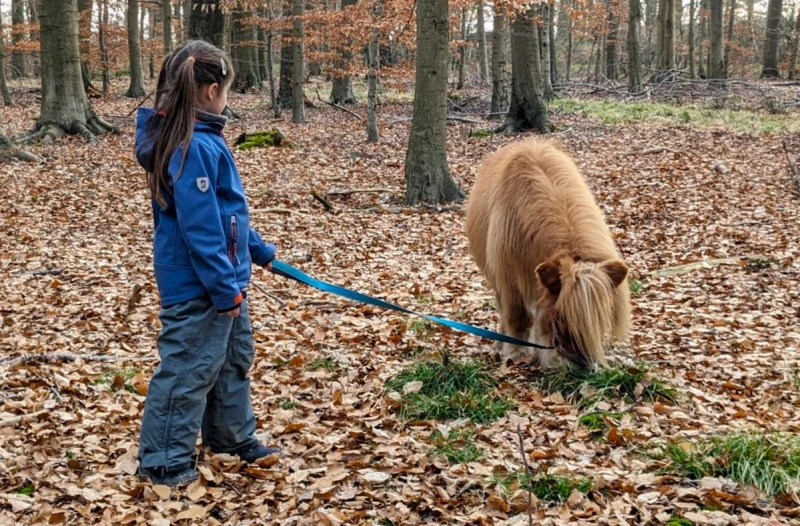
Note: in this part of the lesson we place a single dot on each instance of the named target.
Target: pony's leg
(517, 320)
(498, 346)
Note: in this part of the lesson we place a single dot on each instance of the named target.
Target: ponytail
(188, 69)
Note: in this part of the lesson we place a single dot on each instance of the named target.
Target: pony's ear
(549, 274)
(616, 270)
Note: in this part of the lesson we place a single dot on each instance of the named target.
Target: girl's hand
(233, 313)
(268, 266)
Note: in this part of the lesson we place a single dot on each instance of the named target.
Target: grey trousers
(201, 383)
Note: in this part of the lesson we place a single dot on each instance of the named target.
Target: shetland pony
(542, 244)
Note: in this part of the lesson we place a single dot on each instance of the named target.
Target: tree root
(230, 114)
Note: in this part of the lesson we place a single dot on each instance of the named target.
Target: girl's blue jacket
(202, 242)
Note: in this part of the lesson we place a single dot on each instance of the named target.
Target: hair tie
(224, 66)
(190, 59)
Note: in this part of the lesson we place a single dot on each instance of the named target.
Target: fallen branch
(354, 114)
(67, 357)
(328, 206)
(267, 293)
(463, 119)
(22, 418)
(651, 151)
(362, 191)
(138, 105)
(275, 210)
(136, 296)
(528, 472)
(705, 264)
(794, 175)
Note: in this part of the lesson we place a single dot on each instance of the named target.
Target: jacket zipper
(234, 255)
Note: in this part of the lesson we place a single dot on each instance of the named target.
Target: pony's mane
(587, 303)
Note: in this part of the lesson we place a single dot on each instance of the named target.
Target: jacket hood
(146, 126)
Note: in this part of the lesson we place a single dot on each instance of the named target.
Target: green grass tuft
(616, 112)
(422, 328)
(26, 489)
(635, 285)
(288, 405)
(457, 446)
(678, 521)
(481, 133)
(450, 390)
(769, 462)
(600, 421)
(548, 488)
(329, 363)
(616, 383)
(116, 379)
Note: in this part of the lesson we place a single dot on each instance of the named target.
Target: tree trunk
(793, 73)
(501, 73)
(151, 36)
(342, 88)
(692, 63)
(247, 76)
(772, 39)
(136, 88)
(65, 107)
(729, 38)
(528, 109)
(207, 22)
(85, 24)
(298, 64)
(482, 56)
(544, 43)
(287, 71)
(702, 61)
(462, 50)
(552, 38)
(102, 15)
(427, 176)
(6, 94)
(19, 63)
(273, 96)
(568, 73)
(612, 68)
(166, 20)
(666, 36)
(33, 20)
(716, 60)
(634, 55)
(262, 45)
(372, 79)
(187, 17)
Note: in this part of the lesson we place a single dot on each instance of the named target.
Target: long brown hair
(184, 73)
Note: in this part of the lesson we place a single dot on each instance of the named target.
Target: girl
(202, 249)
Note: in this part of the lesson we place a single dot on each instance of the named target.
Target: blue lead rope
(288, 271)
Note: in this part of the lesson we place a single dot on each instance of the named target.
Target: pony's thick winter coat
(543, 245)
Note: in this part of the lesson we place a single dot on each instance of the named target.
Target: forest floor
(703, 410)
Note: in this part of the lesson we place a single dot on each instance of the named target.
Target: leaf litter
(76, 278)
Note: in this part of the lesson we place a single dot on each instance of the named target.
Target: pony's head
(578, 305)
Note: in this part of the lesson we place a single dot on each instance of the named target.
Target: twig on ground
(267, 293)
(275, 210)
(651, 151)
(794, 175)
(705, 264)
(528, 473)
(138, 105)
(354, 114)
(22, 418)
(349, 191)
(68, 357)
(328, 206)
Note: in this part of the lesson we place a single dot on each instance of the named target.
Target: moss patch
(262, 139)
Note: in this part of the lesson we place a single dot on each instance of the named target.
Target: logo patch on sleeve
(203, 183)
